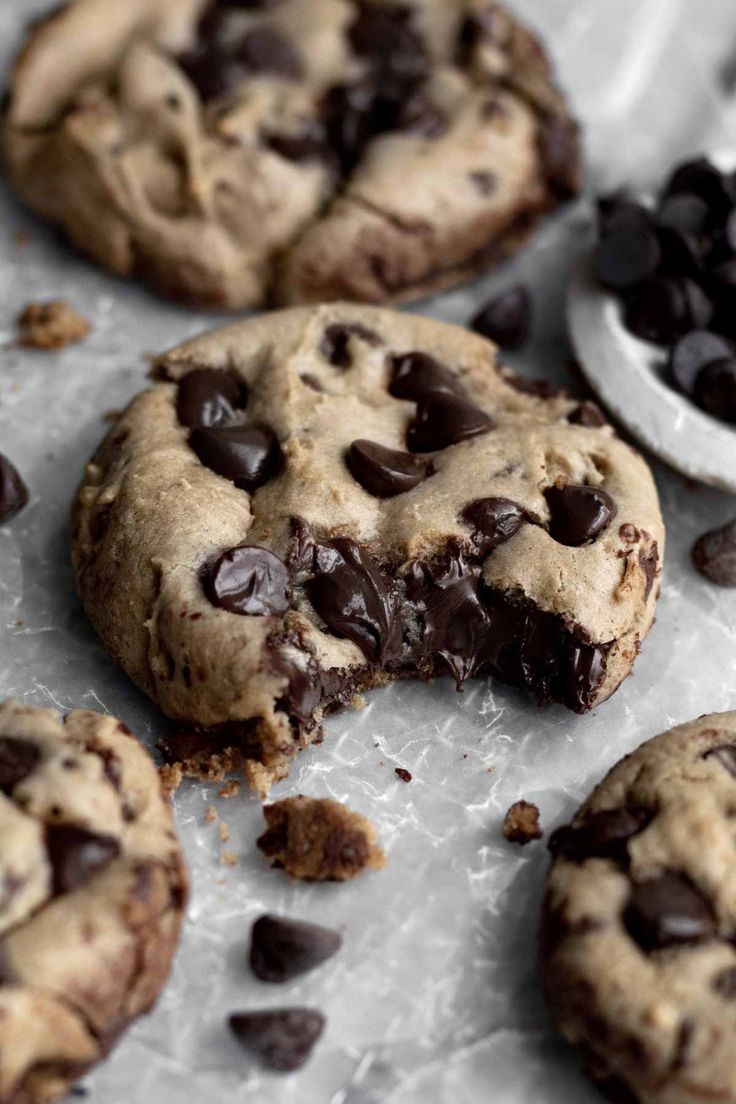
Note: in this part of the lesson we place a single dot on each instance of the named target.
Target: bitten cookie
(637, 940)
(296, 150)
(92, 890)
(320, 500)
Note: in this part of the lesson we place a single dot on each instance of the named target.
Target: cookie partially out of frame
(320, 500)
(638, 949)
(293, 150)
(92, 890)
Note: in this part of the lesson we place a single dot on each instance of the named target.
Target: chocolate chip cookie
(92, 892)
(297, 150)
(317, 501)
(637, 939)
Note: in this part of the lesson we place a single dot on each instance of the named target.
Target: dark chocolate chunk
(266, 50)
(701, 178)
(335, 343)
(724, 983)
(248, 455)
(666, 308)
(383, 34)
(668, 911)
(714, 555)
(578, 513)
(414, 375)
(76, 855)
(282, 1039)
(505, 319)
(483, 181)
(354, 598)
(684, 212)
(616, 211)
(13, 491)
(691, 353)
(683, 254)
(587, 414)
(602, 835)
(283, 949)
(385, 472)
(249, 580)
(17, 759)
(715, 389)
(209, 397)
(403, 774)
(627, 255)
(495, 520)
(584, 667)
(443, 419)
(725, 755)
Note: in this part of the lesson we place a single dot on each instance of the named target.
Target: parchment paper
(433, 998)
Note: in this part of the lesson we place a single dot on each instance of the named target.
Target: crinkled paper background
(433, 999)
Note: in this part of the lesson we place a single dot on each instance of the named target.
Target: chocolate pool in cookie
(321, 500)
(233, 153)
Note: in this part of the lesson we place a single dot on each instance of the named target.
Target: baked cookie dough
(291, 151)
(637, 938)
(321, 500)
(319, 840)
(92, 891)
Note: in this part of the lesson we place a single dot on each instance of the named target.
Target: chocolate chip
(557, 139)
(353, 114)
(668, 911)
(208, 397)
(616, 211)
(383, 34)
(283, 949)
(413, 375)
(385, 472)
(17, 759)
(601, 835)
(354, 598)
(505, 319)
(685, 212)
(336, 340)
(648, 562)
(248, 455)
(483, 181)
(249, 580)
(578, 513)
(403, 774)
(683, 254)
(307, 143)
(627, 255)
(443, 419)
(13, 491)
(76, 855)
(724, 983)
(282, 1039)
(666, 308)
(701, 178)
(587, 414)
(266, 50)
(495, 520)
(725, 755)
(715, 389)
(714, 555)
(691, 353)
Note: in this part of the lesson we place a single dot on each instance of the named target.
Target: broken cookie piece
(318, 839)
(521, 823)
(52, 325)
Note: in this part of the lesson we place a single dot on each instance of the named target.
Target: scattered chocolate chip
(76, 855)
(249, 580)
(726, 756)
(335, 343)
(587, 414)
(282, 1039)
(208, 397)
(668, 911)
(385, 472)
(13, 491)
(602, 835)
(17, 759)
(666, 308)
(691, 354)
(403, 774)
(715, 389)
(495, 520)
(248, 455)
(283, 949)
(521, 823)
(443, 419)
(413, 375)
(714, 555)
(483, 181)
(724, 983)
(627, 255)
(578, 513)
(505, 319)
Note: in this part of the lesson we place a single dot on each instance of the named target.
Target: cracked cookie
(93, 888)
(637, 937)
(231, 153)
(317, 501)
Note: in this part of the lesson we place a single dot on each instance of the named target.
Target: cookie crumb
(403, 774)
(319, 839)
(229, 858)
(211, 815)
(52, 325)
(521, 823)
(171, 777)
(224, 832)
(230, 789)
